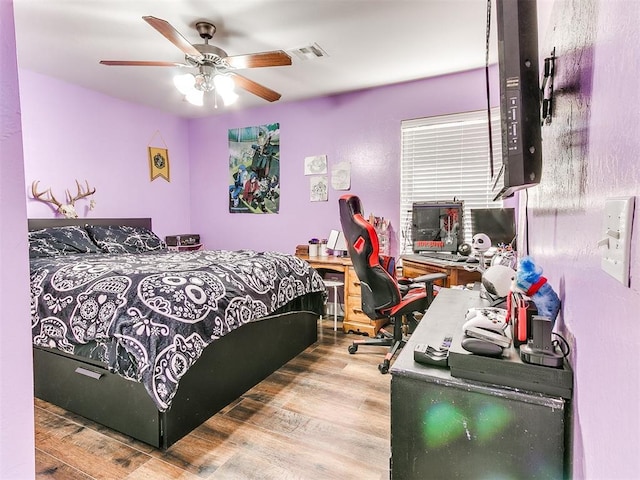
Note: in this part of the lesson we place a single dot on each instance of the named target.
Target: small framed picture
(159, 163)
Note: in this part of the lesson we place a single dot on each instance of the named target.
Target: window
(447, 157)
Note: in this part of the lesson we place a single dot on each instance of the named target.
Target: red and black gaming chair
(382, 294)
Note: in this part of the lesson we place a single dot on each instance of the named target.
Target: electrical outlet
(615, 246)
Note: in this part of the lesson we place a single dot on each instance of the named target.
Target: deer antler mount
(67, 209)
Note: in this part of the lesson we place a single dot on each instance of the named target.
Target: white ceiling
(368, 43)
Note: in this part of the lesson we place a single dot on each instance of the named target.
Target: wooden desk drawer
(411, 271)
(352, 283)
(359, 322)
(457, 275)
(354, 309)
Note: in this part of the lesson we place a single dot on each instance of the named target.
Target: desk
(448, 427)
(416, 265)
(355, 320)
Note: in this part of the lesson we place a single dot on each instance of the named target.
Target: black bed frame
(227, 368)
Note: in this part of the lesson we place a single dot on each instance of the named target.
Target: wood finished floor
(323, 415)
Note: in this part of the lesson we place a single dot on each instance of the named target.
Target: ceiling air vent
(309, 52)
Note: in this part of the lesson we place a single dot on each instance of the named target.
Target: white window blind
(447, 157)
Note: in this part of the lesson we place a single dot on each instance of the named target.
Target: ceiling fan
(216, 69)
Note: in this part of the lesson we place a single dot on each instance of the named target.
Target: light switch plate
(616, 241)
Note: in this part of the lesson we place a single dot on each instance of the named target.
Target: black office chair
(382, 295)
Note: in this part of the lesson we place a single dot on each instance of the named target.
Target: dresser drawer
(94, 392)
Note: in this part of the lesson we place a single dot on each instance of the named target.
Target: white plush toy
(498, 280)
(481, 243)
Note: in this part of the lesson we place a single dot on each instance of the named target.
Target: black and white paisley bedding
(148, 316)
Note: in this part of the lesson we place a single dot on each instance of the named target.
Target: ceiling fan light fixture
(229, 98)
(224, 84)
(195, 97)
(185, 83)
(204, 82)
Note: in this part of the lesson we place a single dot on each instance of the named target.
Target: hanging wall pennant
(158, 160)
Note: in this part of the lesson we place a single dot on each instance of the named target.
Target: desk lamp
(337, 243)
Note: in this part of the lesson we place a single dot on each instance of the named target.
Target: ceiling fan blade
(276, 58)
(142, 63)
(172, 35)
(255, 88)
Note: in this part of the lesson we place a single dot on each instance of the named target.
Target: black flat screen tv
(498, 223)
(517, 22)
(437, 226)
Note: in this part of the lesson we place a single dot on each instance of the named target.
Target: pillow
(69, 240)
(124, 239)
(41, 247)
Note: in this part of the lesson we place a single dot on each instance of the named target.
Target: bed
(152, 343)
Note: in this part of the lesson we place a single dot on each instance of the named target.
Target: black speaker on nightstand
(183, 242)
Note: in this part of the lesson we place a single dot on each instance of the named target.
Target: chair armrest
(429, 278)
(423, 282)
(426, 278)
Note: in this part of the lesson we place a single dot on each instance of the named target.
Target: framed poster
(159, 163)
(254, 169)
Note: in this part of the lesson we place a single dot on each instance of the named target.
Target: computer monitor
(437, 226)
(498, 223)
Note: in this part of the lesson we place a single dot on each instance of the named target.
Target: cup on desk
(314, 249)
(323, 250)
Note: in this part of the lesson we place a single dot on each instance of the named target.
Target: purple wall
(590, 153)
(16, 385)
(362, 128)
(75, 133)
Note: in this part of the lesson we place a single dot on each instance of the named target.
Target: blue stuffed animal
(529, 281)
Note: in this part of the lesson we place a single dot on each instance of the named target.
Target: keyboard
(448, 257)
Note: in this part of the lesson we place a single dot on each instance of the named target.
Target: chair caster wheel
(353, 349)
(383, 367)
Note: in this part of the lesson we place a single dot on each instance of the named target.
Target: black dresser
(443, 427)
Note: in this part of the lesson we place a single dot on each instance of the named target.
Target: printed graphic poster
(254, 169)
